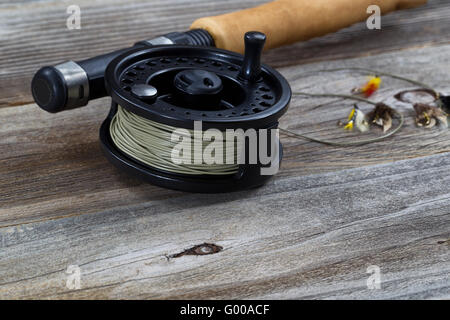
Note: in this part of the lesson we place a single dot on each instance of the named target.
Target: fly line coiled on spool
(151, 143)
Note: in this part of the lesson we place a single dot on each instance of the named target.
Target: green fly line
(151, 143)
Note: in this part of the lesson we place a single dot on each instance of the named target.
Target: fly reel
(161, 89)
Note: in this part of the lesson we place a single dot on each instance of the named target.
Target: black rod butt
(49, 89)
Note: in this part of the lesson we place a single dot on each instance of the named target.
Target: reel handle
(288, 21)
(254, 44)
(71, 84)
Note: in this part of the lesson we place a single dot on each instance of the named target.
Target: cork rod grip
(288, 21)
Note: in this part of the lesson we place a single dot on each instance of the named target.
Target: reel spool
(172, 86)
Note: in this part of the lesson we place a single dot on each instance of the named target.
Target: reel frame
(172, 82)
(259, 103)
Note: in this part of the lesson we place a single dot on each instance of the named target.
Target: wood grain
(299, 237)
(311, 232)
(34, 34)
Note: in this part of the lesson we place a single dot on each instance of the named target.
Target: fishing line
(344, 144)
(150, 142)
(382, 73)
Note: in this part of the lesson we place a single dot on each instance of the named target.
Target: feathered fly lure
(428, 116)
(381, 115)
(357, 119)
(369, 88)
(445, 103)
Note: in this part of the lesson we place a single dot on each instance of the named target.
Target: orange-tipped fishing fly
(371, 86)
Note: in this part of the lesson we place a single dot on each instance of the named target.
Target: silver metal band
(77, 84)
(159, 41)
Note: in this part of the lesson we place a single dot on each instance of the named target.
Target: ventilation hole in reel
(264, 104)
(199, 60)
(267, 97)
(165, 60)
(127, 81)
(265, 89)
(131, 74)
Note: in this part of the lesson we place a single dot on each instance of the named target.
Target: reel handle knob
(251, 67)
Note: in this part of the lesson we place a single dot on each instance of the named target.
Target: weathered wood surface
(52, 165)
(34, 33)
(310, 233)
(299, 237)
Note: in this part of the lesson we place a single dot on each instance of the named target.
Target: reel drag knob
(198, 87)
(254, 44)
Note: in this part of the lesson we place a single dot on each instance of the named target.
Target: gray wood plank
(310, 233)
(299, 237)
(415, 28)
(34, 34)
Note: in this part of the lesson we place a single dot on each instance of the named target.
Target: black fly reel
(177, 85)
